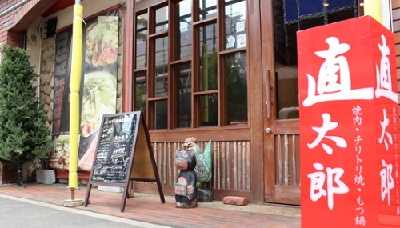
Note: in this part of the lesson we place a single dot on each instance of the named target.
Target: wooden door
(281, 122)
(280, 22)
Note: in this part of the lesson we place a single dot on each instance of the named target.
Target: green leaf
(23, 133)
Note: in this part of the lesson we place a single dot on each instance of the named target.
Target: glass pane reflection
(209, 57)
(162, 19)
(235, 14)
(141, 40)
(185, 36)
(161, 117)
(237, 88)
(184, 95)
(208, 9)
(161, 71)
(140, 92)
(209, 109)
(288, 19)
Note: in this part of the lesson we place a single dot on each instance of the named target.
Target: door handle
(268, 91)
(268, 130)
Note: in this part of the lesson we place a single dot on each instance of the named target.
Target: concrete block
(110, 189)
(45, 176)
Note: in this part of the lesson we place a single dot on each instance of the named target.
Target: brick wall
(18, 20)
(6, 21)
(30, 12)
(15, 38)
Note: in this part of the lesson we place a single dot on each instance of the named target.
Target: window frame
(150, 7)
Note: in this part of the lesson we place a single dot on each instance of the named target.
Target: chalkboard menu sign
(114, 148)
(123, 139)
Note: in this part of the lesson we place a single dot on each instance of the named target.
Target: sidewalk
(148, 208)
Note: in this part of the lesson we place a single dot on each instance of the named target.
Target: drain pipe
(12, 8)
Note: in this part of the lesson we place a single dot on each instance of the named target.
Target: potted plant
(23, 133)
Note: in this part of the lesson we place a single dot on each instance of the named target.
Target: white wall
(33, 44)
(90, 7)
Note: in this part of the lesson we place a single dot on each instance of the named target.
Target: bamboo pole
(374, 9)
(76, 74)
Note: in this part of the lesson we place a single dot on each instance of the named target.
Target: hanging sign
(99, 84)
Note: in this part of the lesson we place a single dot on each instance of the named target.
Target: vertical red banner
(349, 138)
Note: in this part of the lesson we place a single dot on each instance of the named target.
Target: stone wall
(47, 78)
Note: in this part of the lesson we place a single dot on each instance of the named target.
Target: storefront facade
(219, 70)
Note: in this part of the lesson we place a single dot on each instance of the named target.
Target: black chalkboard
(122, 140)
(114, 150)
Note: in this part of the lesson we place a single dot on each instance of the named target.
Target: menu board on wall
(123, 153)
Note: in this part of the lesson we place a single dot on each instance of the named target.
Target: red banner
(349, 139)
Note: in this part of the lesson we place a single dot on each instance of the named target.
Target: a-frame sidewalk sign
(123, 154)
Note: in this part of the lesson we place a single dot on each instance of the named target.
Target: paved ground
(17, 212)
(149, 209)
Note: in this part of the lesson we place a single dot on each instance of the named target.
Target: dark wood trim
(128, 56)
(206, 92)
(157, 99)
(202, 134)
(222, 86)
(230, 51)
(205, 22)
(255, 98)
(253, 132)
(159, 35)
(195, 11)
(287, 126)
(173, 74)
(140, 69)
(360, 8)
(180, 61)
(286, 194)
(195, 68)
(150, 106)
(141, 5)
(267, 32)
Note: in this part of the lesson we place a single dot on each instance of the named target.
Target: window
(190, 66)
(290, 18)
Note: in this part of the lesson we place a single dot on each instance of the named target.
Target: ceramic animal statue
(203, 168)
(185, 188)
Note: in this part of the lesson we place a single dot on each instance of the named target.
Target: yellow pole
(374, 9)
(76, 72)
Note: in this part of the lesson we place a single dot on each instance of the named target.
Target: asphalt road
(18, 212)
